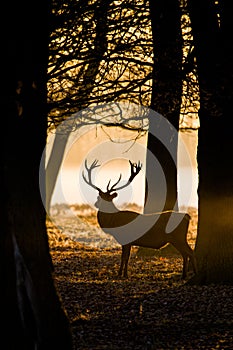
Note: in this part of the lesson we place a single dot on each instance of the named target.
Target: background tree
(32, 313)
(102, 52)
(212, 24)
(88, 74)
(99, 53)
(166, 99)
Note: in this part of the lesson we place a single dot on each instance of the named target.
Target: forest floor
(151, 310)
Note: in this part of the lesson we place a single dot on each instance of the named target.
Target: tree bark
(32, 312)
(213, 47)
(166, 100)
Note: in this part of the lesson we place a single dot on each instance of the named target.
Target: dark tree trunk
(166, 100)
(31, 310)
(213, 47)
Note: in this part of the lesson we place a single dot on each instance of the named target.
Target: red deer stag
(143, 230)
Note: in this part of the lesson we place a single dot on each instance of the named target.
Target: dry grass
(152, 310)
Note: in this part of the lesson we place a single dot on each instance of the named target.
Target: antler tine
(135, 168)
(92, 166)
(112, 188)
(108, 185)
(89, 170)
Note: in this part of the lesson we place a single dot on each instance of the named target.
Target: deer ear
(114, 195)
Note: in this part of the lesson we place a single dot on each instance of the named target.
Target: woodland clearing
(154, 309)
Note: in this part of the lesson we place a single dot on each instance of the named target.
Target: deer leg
(193, 262)
(187, 253)
(186, 258)
(124, 260)
(185, 266)
(192, 257)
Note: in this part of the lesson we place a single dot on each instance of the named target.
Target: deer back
(168, 227)
(117, 219)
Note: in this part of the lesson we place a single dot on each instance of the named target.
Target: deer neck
(108, 208)
(106, 217)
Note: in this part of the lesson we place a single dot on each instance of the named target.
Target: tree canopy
(103, 51)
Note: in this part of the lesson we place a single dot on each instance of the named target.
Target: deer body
(143, 230)
(156, 236)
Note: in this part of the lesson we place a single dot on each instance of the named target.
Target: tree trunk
(89, 77)
(166, 100)
(213, 47)
(32, 313)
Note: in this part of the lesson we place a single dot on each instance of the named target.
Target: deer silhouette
(143, 230)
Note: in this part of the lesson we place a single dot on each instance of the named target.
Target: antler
(89, 170)
(135, 168)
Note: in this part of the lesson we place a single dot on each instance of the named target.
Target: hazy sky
(98, 144)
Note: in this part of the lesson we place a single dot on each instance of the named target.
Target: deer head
(104, 200)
